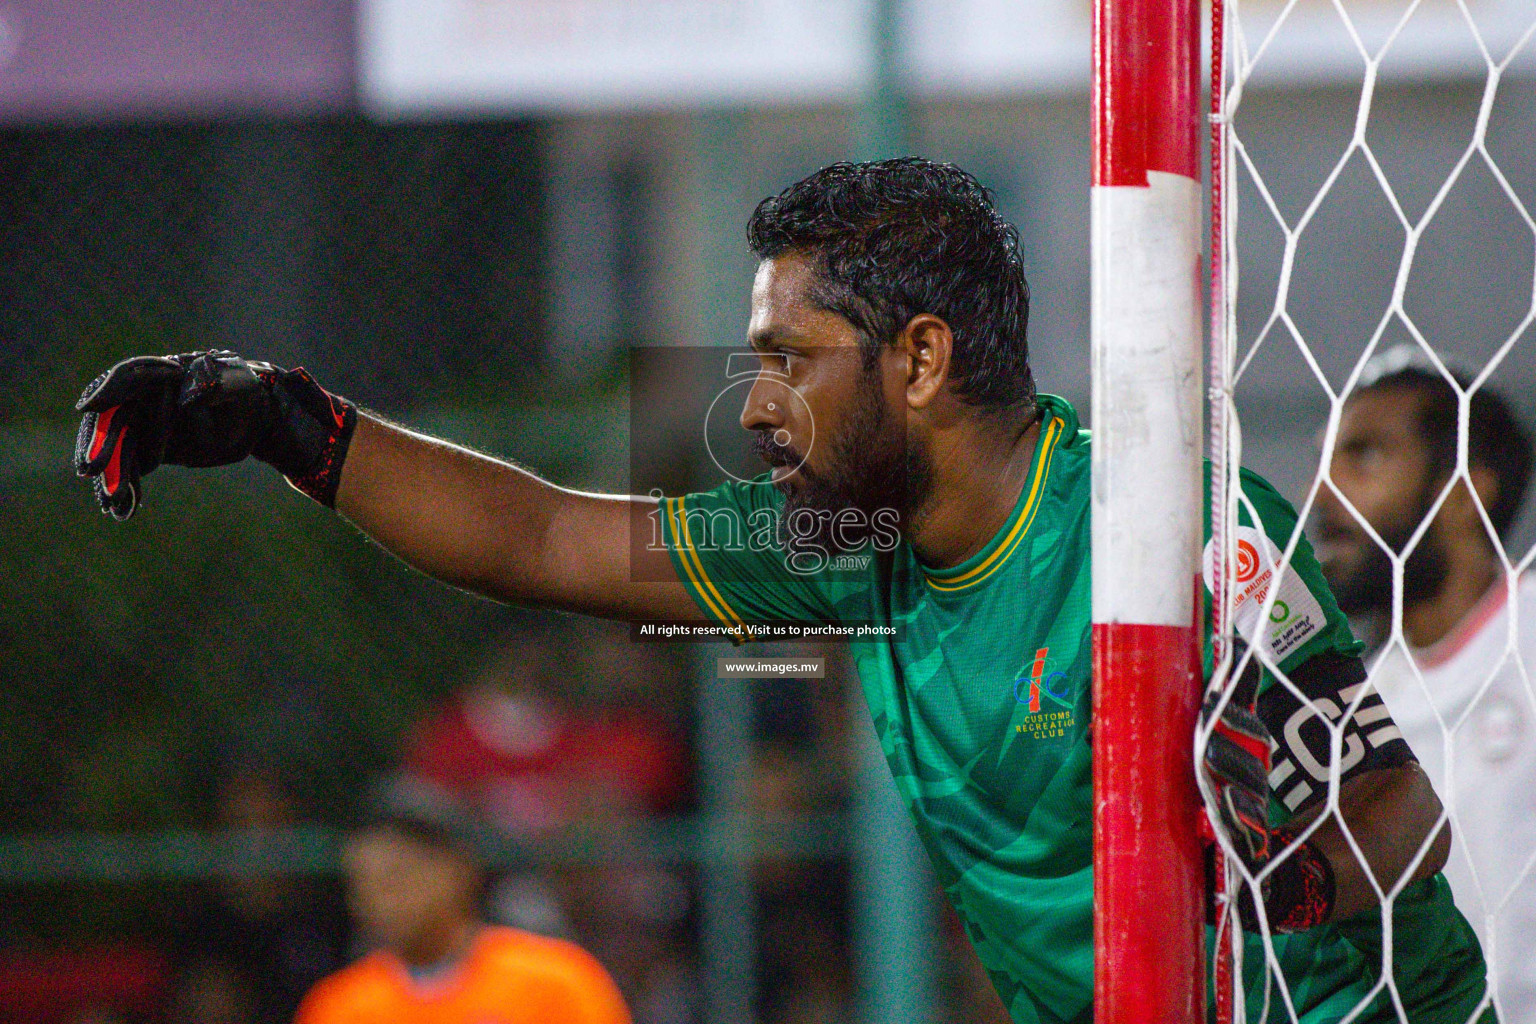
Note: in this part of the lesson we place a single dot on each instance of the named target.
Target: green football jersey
(981, 700)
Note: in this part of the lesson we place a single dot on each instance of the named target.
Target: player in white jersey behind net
(1456, 670)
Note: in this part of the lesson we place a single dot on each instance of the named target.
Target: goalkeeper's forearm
(487, 526)
(464, 518)
(1391, 812)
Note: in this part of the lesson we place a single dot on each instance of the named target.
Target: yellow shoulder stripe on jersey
(1021, 525)
(713, 599)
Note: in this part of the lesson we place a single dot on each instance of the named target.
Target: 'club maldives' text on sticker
(1294, 617)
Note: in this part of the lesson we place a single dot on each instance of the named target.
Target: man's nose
(766, 404)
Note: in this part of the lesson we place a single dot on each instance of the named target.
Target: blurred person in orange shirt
(415, 879)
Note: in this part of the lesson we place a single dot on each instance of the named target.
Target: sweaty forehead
(784, 307)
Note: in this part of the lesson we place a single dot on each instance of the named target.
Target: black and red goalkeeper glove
(208, 409)
(1298, 892)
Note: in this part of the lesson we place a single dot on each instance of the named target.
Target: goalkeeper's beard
(872, 468)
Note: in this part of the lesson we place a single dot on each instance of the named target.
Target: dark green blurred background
(127, 648)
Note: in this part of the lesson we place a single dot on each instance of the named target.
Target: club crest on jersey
(1047, 699)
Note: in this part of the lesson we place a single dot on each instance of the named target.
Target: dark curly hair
(897, 238)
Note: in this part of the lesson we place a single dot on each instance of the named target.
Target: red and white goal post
(1147, 424)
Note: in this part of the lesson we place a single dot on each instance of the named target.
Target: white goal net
(1374, 357)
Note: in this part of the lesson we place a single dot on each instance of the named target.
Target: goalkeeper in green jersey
(889, 312)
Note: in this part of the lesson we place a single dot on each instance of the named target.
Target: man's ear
(929, 346)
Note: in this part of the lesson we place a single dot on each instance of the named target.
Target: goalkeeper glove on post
(208, 409)
(1298, 893)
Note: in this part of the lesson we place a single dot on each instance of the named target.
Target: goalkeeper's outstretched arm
(490, 527)
(467, 519)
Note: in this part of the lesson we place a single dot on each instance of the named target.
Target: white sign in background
(560, 56)
(551, 55)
